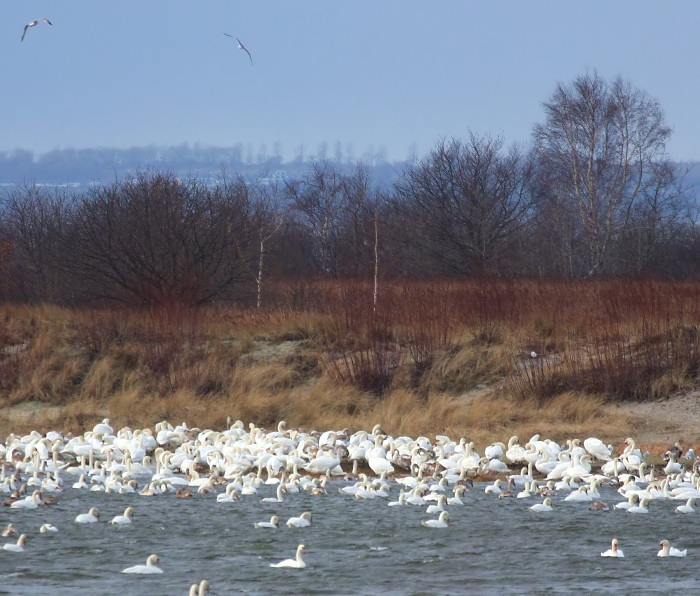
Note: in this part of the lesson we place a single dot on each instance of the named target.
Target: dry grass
(434, 357)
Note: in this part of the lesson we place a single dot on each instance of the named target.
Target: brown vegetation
(438, 357)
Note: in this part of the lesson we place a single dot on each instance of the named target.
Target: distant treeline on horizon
(105, 164)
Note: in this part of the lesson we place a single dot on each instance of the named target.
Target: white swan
(126, 518)
(31, 502)
(273, 523)
(150, 567)
(303, 521)
(688, 507)
(279, 498)
(90, 517)
(9, 530)
(439, 507)
(614, 550)
(47, 528)
(440, 522)
(597, 449)
(296, 563)
(670, 551)
(199, 589)
(544, 506)
(17, 547)
(641, 508)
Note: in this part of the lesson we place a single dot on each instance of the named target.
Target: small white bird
(19, 546)
(440, 522)
(126, 518)
(47, 528)
(670, 551)
(273, 523)
(303, 521)
(614, 550)
(90, 517)
(241, 47)
(296, 563)
(544, 506)
(34, 24)
(150, 567)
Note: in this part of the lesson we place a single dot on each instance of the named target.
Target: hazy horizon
(389, 78)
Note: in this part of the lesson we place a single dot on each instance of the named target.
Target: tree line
(596, 195)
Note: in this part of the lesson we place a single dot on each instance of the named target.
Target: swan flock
(233, 464)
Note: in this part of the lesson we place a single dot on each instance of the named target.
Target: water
(492, 546)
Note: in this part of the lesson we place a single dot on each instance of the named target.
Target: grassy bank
(430, 357)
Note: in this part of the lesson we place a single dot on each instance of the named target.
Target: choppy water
(353, 547)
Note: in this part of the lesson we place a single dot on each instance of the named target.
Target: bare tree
(156, 241)
(35, 221)
(600, 153)
(462, 204)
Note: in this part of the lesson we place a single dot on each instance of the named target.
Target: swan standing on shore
(296, 563)
(150, 567)
(614, 550)
(670, 551)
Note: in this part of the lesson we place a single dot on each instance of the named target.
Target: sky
(366, 76)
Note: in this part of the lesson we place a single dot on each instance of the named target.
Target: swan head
(152, 560)
(22, 540)
(94, 511)
(614, 544)
(664, 544)
(129, 512)
(306, 515)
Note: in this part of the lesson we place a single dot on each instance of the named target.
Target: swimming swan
(9, 530)
(273, 523)
(440, 522)
(303, 521)
(614, 550)
(199, 589)
(296, 563)
(90, 517)
(151, 566)
(127, 518)
(670, 551)
(688, 507)
(19, 546)
(544, 506)
(47, 528)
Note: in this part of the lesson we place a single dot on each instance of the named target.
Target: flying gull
(34, 24)
(241, 47)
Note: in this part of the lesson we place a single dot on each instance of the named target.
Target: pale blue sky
(366, 73)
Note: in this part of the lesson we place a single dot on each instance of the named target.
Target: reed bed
(429, 357)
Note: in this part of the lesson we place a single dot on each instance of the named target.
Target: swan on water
(544, 506)
(17, 547)
(273, 523)
(688, 507)
(296, 563)
(614, 550)
(126, 518)
(199, 589)
(303, 521)
(9, 530)
(90, 517)
(440, 522)
(151, 566)
(47, 528)
(670, 551)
